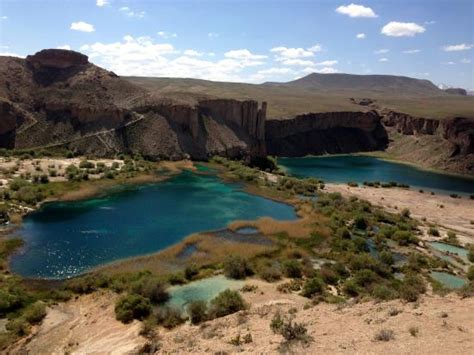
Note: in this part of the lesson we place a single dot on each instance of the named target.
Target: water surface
(443, 247)
(448, 280)
(64, 239)
(346, 168)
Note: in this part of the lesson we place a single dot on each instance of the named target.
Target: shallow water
(461, 252)
(448, 280)
(346, 168)
(64, 239)
(204, 290)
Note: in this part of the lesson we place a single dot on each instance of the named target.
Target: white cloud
(82, 26)
(458, 47)
(212, 35)
(429, 22)
(327, 63)
(10, 54)
(411, 51)
(141, 56)
(65, 46)
(211, 54)
(383, 60)
(381, 51)
(448, 63)
(402, 29)
(130, 13)
(316, 48)
(192, 53)
(244, 54)
(361, 36)
(354, 10)
(284, 53)
(275, 71)
(300, 62)
(325, 70)
(3, 17)
(102, 3)
(167, 35)
(465, 61)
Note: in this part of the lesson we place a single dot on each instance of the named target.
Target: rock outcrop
(321, 133)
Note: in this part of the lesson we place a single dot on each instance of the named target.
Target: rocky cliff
(321, 133)
(56, 98)
(444, 144)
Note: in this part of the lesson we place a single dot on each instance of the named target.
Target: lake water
(346, 168)
(64, 239)
(448, 280)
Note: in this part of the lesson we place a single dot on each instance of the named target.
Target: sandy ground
(83, 325)
(451, 213)
(445, 325)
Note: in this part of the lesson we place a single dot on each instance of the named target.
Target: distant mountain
(456, 91)
(389, 84)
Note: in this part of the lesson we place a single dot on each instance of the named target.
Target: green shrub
(383, 293)
(85, 164)
(470, 253)
(35, 313)
(226, 302)
(351, 288)
(386, 257)
(131, 306)
(270, 273)
(289, 330)
(404, 238)
(313, 286)
(292, 268)
(405, 213)
(151, 288)
(197, 311)
(169, 317)
(190, 271)
(18, 326)
(384, 335)
(470, 273)
(360, 222)
(411, 288)
(236, 267)
(433, 231)
(344, 233)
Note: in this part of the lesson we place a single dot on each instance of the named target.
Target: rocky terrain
(57, 98)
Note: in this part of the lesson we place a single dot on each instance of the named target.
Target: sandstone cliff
(321, 133)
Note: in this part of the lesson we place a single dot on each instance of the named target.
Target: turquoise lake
(346, 168)
(64, 239)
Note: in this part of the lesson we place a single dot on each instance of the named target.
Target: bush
(18, 326)
(226, 302)
(289, 330)
(130, 307)
(365, 278)
(35, 312)
(470, 254)
(169, 317)
(386, 257)
(351, 288)
(383, 293)
(384, 335)
(152, 289)
(236, 267)
(404, 238)
(270, 273)
(312, 287)
(470, 273)
(197, 311)
(190, 271)
(292, 268)
(433, 231)
(405, 213)
(411, 287)
(360, 222)
(85, 164)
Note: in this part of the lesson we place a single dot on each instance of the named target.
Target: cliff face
(320, 133)
(57, 98)
(444, 144)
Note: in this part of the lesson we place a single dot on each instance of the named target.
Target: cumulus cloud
(244, 54)
(448, 63)
(325, 70)
(192, 53)
(130, 13)
(212, 35)
(327, 63)
(361, 36)
(381, 51)
(465, 61)
(383, 60)
(458, 47)
(411, 51)
(284, 53)
(4, 17)
(354, 10)
(82, 26)
(102, 3)
(65, 46)
(316, 48)
(167, 35)
(141, 56)
(10, 54)
(300, 62)
(402, 29)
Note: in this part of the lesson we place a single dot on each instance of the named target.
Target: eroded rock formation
(321, 133)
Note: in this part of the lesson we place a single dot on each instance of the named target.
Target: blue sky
(252, 41)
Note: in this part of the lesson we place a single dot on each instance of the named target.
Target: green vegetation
(197, 311)
(289, 330)
(130, 307)
(236, 267)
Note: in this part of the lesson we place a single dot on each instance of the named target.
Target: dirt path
(452, 213)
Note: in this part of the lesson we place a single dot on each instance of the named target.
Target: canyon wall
(326, 133)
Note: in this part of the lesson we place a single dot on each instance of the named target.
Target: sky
(252, 41)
